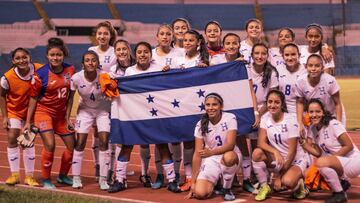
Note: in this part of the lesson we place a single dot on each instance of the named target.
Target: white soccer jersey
(304, 55)
(170, 59)
(275, 57)
(184, 62)
(327, 139)
(279, 133)
(217, 135)
(218, 59)
(90, 92)
(260, 91)
(133, 70)
(323, 91)
(287, 82)
(4, 83)
(114, 72)
(245, 50)
(107, 59)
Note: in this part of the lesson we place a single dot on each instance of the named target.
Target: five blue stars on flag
(175, 103)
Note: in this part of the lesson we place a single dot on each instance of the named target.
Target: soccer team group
(299, 117)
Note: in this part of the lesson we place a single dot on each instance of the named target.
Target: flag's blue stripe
(182, 78)
(156, 131)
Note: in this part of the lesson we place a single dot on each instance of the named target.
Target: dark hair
(93, 53)
(55, 42)
(316, 56)
(204, 54)
(281, 95)
(291, 45)
(111, 29)
(318, 28)
(234, 35)
(132, 58)
(204, 122)
(252, 20)
(267, 68)
(213, 22)
(13, 53)
(183, 20)
(143, 43)
(325, 120)
(292, 33)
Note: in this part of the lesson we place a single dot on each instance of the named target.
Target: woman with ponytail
(50, 107)
(337, 156)
(216, 152)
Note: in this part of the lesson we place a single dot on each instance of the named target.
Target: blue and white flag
(164, 107)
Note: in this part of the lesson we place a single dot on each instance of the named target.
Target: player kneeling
(337, 155)
(279, 150)
(215, 151)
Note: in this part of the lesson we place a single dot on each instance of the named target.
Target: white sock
(188, 155)
(14, 159)
(158, 164)
(95, 149)
(121, 169)
(77, 162)
(29, 160)
(104, 161)
(331, 178)
(169, 170)
(176, 156)
(246, 167)
(301, 181)
(145, 159)
(228, 174)
(260, 171)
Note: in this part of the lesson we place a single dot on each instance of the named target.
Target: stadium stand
(9, 12)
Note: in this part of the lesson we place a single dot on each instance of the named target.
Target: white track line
(83, 194)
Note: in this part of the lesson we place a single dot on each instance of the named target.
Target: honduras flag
(164, 107)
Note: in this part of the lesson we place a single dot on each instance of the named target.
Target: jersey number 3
(219, 141)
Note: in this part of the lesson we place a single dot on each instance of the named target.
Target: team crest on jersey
(326, 134)
(97, 84)
(284, 128)
(224, 126)
(67, 77)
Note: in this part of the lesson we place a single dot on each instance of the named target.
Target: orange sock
(66, 161)
(47, 159)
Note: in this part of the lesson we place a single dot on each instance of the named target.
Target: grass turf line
(11, 194)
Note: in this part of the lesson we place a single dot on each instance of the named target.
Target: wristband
(256, 113)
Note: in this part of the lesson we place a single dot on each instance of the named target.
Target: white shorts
(15, 123)
(85, 120)
(350, 166)
(303, 163)
(211, 168)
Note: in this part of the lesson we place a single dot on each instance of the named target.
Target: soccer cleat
(228, 195)
(97, 172)
(186, 186)
(218, 188)
(174, 187)
(263, 192)
(117, 187)
(13, 179)
(145, 180)
(302, 192)
(159, 182)
(337, 197)
(64, 179)
(247, 186)
(345, 184)
(77, 184)
(103, 183)
(47, 184)
(29, 180)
